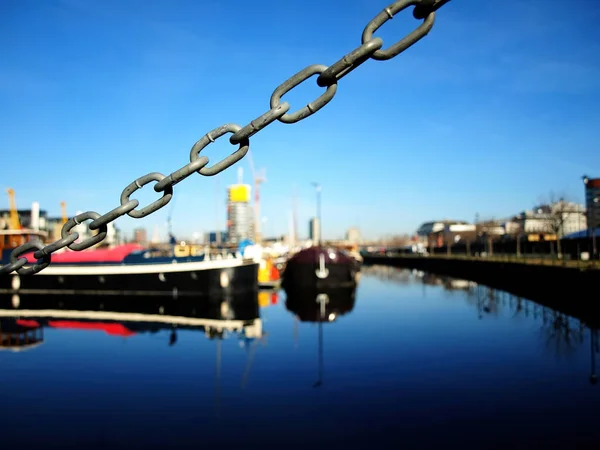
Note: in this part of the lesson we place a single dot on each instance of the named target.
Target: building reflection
(559, 332)
(389, 274)
(405, 277)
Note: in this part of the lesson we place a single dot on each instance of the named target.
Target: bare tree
(486, 229)
(555, 211)
(399, 240)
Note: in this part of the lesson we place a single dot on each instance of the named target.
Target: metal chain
(328, 78)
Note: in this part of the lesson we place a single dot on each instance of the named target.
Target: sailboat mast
(320, 355)
(294, 217)
(217, 231)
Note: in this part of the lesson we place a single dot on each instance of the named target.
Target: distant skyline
(496, 107)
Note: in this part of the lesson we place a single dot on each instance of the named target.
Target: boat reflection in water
(319, 306)
(24, 317)
(325, 305)
(268, 297)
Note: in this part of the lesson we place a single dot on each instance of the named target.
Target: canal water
(409, 360)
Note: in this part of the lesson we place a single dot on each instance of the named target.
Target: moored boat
(268, 274)
(321, 267)
(130, 268)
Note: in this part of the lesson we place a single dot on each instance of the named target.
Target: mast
(218, 379)
(251, 353)
(594, 348)
(295, 331)
(217, 231)
(322, 299)
(294, 218)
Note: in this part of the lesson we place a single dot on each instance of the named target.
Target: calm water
(409, 360)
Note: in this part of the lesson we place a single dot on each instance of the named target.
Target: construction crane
(258, 179)
(15, 223)
(63, 208)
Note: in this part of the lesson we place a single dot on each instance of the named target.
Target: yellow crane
(63, 208)
(15, 223)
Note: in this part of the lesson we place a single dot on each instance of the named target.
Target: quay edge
(573, 291)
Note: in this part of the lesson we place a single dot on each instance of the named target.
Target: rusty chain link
(328, 78)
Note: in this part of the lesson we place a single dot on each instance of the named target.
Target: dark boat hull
(339, 275)
(193, 278)
(320, 268)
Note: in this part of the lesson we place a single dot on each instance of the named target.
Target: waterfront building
(440, 232)
(215, 237)
(353, 235)
(28, 218)
(558, 219)
(140, 236)
(592, 201)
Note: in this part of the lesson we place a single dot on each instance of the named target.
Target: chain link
(8, 268)
(426, 7)
(258, 124)
(328, 78)
(155, 205)
(211, 137)
(37, 266)
(348, 63)
(181, 174)
(55, 246)
(294, 81)
(388, 14)
(78, 220)
(119, 211)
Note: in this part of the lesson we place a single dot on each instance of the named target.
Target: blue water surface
(418, 362)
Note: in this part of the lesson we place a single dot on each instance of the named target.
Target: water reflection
(386, 360)
(23, 317)
(322, 306)
(560, 333)
(393, 275)
(595, 349)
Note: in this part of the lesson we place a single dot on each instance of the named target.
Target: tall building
(240, 214)
(314, 230)
(140, 236)
(215, 237)
(592, 201)
(353, 235)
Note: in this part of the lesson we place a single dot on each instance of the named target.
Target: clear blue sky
(496, 107)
